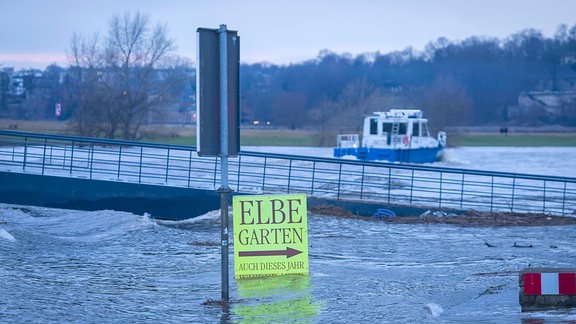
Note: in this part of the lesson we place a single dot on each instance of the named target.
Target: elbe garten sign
(270, 235)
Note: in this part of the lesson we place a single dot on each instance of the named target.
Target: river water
(551, 161)
(106, 266)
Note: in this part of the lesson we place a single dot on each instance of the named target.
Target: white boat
(397, 135)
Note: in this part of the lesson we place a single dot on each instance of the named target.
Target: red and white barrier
(549, 283)
(547, 288)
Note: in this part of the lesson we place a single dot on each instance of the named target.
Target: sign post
(270, 235)
(224, 189)
(218, 127)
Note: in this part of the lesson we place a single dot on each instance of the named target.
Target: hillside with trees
(469, 82)
(117, 83)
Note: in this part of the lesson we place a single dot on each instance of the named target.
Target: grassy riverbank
(310, 138)
(248, 137)
(186, 135)
(513, 139)
(36, 126)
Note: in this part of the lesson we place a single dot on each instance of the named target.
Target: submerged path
(172, 181)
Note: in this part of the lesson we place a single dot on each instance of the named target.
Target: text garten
(262, 236)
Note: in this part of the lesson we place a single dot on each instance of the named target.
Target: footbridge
(173, 182)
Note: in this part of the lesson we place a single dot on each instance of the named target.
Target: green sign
(270, 235)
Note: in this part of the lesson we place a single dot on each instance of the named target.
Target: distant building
(543, 106)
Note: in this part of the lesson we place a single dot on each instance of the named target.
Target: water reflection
(275, 299)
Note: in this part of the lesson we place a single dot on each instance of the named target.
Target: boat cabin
(397, 128)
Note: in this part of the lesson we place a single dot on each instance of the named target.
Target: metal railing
(263, 173)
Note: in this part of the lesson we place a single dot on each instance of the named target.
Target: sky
(36, 33)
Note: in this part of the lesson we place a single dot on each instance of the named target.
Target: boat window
(402, 129)
(416, 129)
(373, 126)
(387, 128)
(426, 132)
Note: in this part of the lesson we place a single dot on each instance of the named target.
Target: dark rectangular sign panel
(208, 92)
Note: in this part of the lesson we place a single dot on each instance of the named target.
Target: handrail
(104, 141)
(411, 166)
(256, 172)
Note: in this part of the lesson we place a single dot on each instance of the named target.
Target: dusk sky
(35, 33)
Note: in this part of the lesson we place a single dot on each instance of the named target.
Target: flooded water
(106, 266)
(551, 161)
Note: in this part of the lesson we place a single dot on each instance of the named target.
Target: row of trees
(469, 82)
(120, 81)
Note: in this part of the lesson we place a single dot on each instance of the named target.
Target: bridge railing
(409, 185)
(261, 173)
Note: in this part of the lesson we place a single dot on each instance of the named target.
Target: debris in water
(433, 309)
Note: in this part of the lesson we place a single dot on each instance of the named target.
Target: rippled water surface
(70, 266)
(60, 266)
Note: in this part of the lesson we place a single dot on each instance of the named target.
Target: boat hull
(414, 155)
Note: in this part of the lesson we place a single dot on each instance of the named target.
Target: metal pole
(224, 190)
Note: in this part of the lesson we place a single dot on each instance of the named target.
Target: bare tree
(90, 117)
(447, 104)
(122, 79)
(346, 113)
